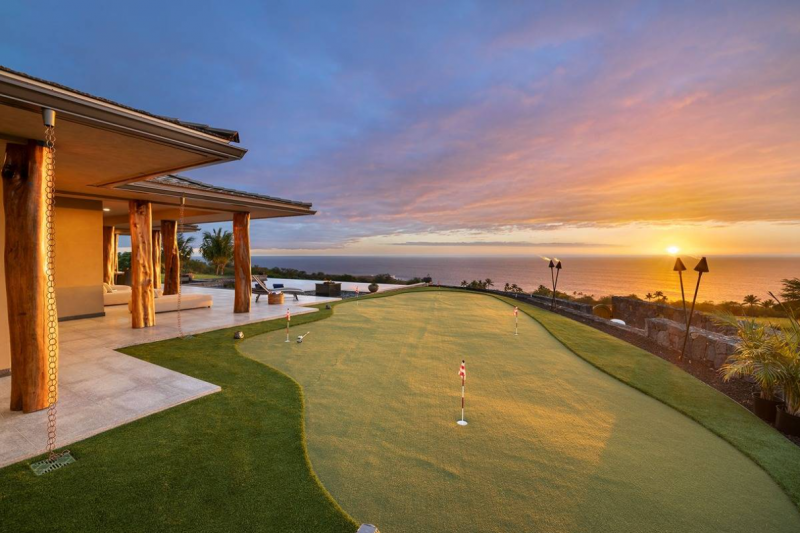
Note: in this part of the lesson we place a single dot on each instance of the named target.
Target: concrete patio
(101, 388)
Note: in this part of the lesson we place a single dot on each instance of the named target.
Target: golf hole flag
(462, 373)
(516, 314)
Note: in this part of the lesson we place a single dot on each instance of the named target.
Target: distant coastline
(730, 279)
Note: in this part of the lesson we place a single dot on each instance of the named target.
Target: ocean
(729, 278)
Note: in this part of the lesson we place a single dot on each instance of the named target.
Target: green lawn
(236, 460)
(553, 443)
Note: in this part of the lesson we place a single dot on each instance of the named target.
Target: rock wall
(636, 313)
(705, 346)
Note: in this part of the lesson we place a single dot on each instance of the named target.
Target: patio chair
(261, 288)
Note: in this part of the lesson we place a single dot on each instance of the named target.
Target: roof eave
(25, 93)
(287, 207)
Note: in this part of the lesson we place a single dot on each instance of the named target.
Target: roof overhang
(103, 144)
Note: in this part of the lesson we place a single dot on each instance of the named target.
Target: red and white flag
(462, 372)
(516, 311)
(288, 316)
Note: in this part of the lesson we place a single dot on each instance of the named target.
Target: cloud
(405, 119)
(510, 244)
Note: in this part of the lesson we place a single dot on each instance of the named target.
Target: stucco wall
(79, 263)
(79, 257)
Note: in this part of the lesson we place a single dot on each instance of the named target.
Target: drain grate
(48, 465)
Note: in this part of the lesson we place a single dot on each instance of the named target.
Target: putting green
(553, 444)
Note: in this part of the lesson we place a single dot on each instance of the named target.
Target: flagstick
(288, 318)
(515, 325)
(462, 422)
(463, 374)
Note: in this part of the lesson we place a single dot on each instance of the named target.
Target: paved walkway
(101, 388)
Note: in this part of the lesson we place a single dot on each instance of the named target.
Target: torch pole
(689, 321)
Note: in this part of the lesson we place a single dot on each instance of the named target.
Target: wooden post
(108, 255)
(241, 262)
(143, 312)
(156, 259)
(116, 256)
(24, 201)
(172, 261)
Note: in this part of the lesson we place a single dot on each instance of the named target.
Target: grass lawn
(553, 443)
(775, 321)
(236, 460)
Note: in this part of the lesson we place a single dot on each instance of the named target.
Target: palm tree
(507, 287)
(185, 249)
(217, 248)
(767, 304)
(751, 300)
(488, 283)
(464, 283)
(758, 356)
(659, 295)
(648, 296)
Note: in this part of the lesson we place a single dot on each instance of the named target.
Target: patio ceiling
(100, 143)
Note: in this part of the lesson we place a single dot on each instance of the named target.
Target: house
(115, 173)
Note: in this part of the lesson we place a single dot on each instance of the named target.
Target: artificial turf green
(553, 444)
(234, 461)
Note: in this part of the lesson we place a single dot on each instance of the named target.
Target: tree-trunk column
(143, 312)
(116, 256)
(172, 260)
(108, 254)
(156, 259)
(241, 262)
(24, 202)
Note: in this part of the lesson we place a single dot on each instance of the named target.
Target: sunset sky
(467, 127)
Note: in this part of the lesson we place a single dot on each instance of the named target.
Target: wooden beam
(156, 259)
(108, 254)
(172, 260)
(241, 263)
(116, 255)
(24, 201)
(143, 312)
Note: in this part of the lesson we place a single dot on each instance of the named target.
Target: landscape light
(701, 268)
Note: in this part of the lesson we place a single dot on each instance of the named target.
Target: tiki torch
(701, 268)
(551, 266)
(679, 268)
(555, 284)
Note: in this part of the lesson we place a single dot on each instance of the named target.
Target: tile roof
(183, 181)
(228, 135)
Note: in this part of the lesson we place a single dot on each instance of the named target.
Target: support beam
(241, 262)
(156, 259)
(143, 312)
(172, 260)
(109, 259)
(24, 201)
(116, 255)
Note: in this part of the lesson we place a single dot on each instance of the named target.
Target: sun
(673, 250)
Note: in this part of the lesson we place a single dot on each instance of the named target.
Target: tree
(464, 283)
(751, 300)
(217, 248)
(185, 249)
(791, 290)
(659, 295)
(123, 261)
(767, 304)
(487, 283)
(507, 287)
(648, 296)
